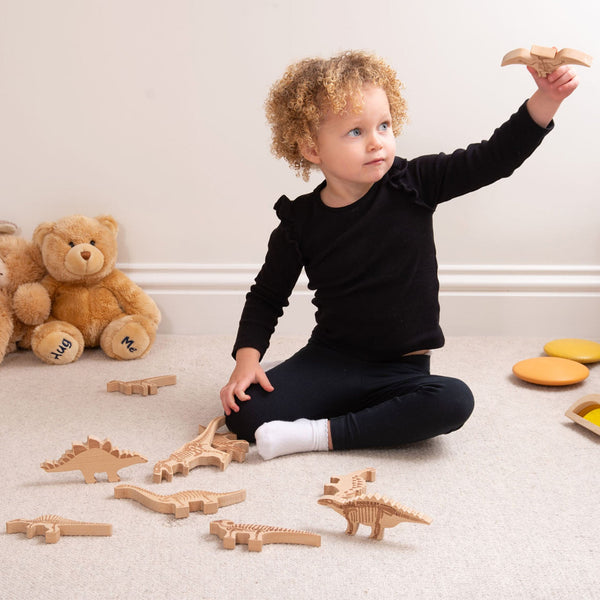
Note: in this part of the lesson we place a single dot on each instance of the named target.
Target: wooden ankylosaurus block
(180, 504)
(53, 526)
(144, 387)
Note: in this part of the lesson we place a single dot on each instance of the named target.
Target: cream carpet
(514, 496)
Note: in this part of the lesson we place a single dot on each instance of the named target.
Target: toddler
(365, 239)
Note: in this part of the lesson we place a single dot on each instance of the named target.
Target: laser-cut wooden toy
(350, 485)
(256, 535)
(95, 456)
(203, 450)
(372, 510)
(53, 526)
(144, 387)
(586, 412)
(180, 503)
(545, 60)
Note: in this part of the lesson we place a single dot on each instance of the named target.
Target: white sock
(277, 438)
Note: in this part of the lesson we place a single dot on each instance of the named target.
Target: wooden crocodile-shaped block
(53, 526)
(256, 535)
(203, 450)
(144, 387)
(94, 456)
(372, 510)
(180, 503)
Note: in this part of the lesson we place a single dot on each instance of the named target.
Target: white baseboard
(534, 300)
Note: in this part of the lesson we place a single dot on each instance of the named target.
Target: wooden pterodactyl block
(144, 387)
(256, 535)
(545, 60)
(209, 448)
(53, 526)
(180, 504)
(94, 456)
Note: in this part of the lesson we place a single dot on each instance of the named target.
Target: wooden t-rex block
(372, 510)
(202, 450)
(256, 535)
(94, 456)
(545, 60)
(53, 526)
(180, 503)
(350, 485)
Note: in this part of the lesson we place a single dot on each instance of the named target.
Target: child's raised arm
(552, 90)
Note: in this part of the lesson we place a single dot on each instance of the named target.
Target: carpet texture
(514, 495)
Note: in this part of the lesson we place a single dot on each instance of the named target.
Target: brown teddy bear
(93, 303)
(20, 267)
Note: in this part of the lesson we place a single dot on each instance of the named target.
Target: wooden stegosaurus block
(94, 456)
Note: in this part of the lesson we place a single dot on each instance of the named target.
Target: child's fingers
(264, 382)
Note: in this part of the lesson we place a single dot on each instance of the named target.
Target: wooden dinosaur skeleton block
(350, 485)
(256, 535)
(53, 526)
(347, 496)
(208, 448)
(180, 503)
(94, 456)
(545, 60)
(144, 387)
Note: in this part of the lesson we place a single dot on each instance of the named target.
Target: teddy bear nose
(86, 255)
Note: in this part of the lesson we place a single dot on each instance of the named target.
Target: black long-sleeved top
(372, 264)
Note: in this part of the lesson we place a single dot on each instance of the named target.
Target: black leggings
(368, 404)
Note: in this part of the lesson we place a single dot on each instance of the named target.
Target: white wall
(151, 110)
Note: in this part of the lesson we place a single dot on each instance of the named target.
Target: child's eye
(384, 126)
(354, 132)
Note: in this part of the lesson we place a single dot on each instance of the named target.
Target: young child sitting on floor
(365, 239)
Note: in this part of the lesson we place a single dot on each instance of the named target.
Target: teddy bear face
(78, 248)
(3, 274)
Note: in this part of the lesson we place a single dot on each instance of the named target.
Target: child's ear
(310, 152)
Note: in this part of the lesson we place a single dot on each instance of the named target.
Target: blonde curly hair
(309, 88)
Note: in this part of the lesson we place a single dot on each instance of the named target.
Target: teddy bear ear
(108, 222)
(40, 232)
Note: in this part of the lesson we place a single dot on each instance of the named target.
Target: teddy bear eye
(92, 242)
(72, 244)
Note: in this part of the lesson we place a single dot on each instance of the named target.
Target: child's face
(356, 149)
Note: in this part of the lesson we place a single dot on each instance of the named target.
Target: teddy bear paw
(57, 347)
(128, 342)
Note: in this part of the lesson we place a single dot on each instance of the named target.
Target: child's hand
(247, 371)
(559, 84)
(552, 90)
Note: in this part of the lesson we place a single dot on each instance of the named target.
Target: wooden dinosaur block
(95, 456)
(202, 450)
(375, 511)
(350, 485)
(181, 503)
(586, 412)
(144, 387)
(545, 60)
(53, 526)
(256, 535)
